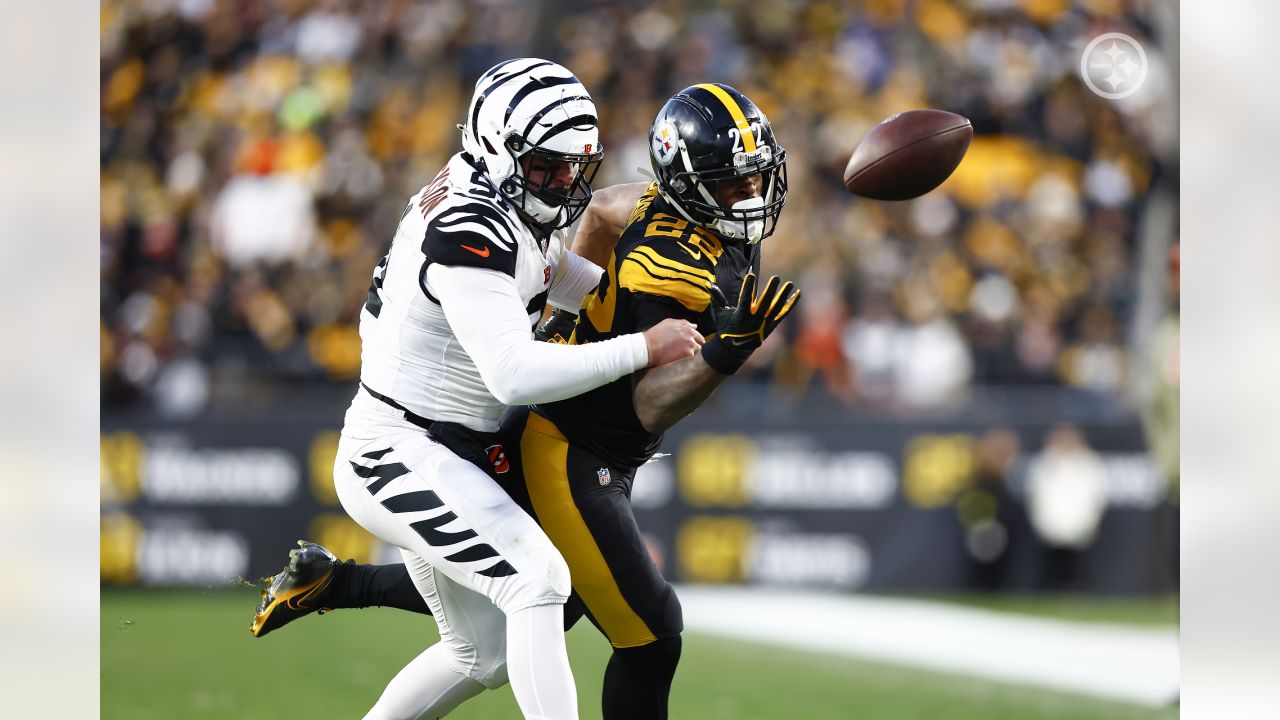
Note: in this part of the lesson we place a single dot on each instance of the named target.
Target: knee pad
(558, 577)
(543, 582)
(485, 662)
(492, 677)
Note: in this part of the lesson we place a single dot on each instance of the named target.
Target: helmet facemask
(751, 220)
(552, 188)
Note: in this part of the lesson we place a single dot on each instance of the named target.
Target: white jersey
(459, 235)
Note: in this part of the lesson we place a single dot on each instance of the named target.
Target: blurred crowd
(256, 156)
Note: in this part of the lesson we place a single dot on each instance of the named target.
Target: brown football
(907, 155)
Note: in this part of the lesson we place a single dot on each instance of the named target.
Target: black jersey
(662, 267)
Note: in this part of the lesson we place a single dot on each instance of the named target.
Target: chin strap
(540, 231)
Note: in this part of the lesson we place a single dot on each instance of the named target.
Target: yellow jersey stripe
(662, 261)
(546, 455)
(639, 276)
(739, 119)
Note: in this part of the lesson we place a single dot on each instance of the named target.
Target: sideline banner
(804, 501)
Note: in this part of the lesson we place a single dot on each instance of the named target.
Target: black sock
(361, 586)
(637, 683)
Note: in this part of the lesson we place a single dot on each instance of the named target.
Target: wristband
(720, 357)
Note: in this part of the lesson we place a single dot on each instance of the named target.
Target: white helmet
(535, 108)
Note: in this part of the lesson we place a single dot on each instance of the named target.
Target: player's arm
(664, 395)
(604, 220)
(606, 217)
(575, 277)
(470, 271)
(484, 311)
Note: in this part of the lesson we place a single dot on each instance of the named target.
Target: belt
(411, 416)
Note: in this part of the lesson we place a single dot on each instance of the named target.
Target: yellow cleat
(299, 589)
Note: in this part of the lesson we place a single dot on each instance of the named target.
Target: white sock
(538, 664)
(425, 685)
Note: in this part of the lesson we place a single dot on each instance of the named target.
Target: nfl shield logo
(603, 475)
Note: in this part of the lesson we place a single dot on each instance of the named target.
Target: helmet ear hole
(488, 145)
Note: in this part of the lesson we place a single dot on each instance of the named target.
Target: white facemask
(753, 229)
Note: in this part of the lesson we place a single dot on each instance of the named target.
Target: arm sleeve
(485, 313)
(576, 277)
(649, 310)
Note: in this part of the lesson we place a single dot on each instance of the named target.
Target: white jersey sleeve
(486, 314)
(419, 358)
(576, 277)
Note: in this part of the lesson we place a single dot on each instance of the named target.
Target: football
(908, 154)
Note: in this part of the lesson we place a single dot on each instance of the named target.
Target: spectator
(1066, 497)
(993, 520)
(262, 216)
(238, 137)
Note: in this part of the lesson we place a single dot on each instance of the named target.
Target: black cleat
(299, 589)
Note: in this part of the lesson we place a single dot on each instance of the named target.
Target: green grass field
(168, 655)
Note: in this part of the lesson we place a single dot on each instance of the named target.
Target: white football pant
(493, 580)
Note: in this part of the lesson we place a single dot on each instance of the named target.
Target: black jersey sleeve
(664, 281)
(472, 233)
(649, 310)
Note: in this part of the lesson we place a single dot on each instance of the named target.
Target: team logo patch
(666, 142)
(498, 457)
(603, 475)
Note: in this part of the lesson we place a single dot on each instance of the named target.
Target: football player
(687, 241)
(447, 343)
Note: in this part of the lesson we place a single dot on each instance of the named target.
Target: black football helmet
(708, 133)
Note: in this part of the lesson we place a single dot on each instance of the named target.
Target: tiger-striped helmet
(534, 117)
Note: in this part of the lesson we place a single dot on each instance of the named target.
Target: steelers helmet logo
(665, 143)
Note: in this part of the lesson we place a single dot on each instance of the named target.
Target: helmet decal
(666, 141)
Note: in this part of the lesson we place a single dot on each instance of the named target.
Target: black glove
(558, 328)
(742, 329)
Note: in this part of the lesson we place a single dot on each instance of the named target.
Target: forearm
(595, 238)
(604, 221)
(665, 394)
(486, 315)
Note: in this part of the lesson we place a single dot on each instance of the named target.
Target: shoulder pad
(472, 233)
(657, 268)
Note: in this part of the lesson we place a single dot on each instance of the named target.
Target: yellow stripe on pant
(546, 475)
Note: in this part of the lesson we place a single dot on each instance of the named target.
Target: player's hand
(672, 340)
(558, 328)
(743, 328)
